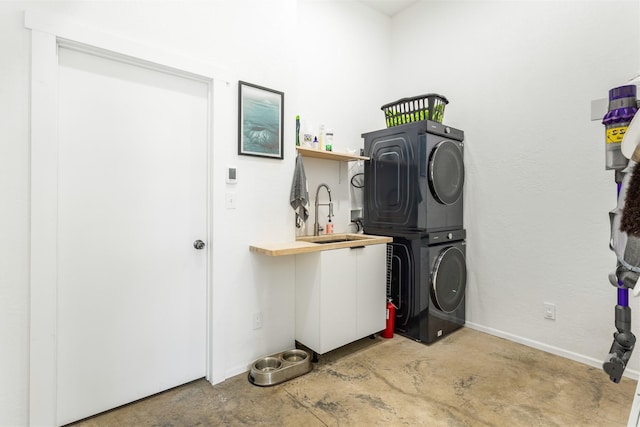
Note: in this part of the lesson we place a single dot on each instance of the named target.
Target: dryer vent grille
(389, 261)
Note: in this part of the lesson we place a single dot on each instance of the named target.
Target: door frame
(47, 33)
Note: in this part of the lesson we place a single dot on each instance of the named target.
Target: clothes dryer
(428, 277)
(414, 179)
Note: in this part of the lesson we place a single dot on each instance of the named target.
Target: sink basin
(335, 238)
(331, 241)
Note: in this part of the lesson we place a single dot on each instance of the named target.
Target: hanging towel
(299, 197)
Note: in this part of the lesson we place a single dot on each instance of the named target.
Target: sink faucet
(316, 226)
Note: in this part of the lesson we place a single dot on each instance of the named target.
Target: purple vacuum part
(626, 109)
(623, 296)
(623, 293)
(622, 92)
(619, 115)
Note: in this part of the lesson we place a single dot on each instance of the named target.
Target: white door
(132, 199)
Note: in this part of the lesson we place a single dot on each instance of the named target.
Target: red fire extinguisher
(391, 317)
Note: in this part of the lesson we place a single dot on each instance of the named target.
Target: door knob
(198, 244)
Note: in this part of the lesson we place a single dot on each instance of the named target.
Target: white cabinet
(371, 289)
(340, 296)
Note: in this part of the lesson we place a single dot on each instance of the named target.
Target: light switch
(230, 200)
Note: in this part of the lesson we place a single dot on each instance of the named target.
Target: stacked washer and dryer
(413, 186)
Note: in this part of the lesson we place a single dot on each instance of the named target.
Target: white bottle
(321, 137)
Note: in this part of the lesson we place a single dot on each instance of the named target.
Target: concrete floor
(466, 379)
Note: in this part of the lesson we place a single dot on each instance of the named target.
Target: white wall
(254, 41)
(14, 217)
(520, 77)
(343, 65)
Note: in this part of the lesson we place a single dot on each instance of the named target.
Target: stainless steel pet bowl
(272, 370)
(267, 364)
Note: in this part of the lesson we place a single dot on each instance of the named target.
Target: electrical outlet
(549, 311)
(257, 320)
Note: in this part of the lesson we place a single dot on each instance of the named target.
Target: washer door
(446, 172)
(449, 279)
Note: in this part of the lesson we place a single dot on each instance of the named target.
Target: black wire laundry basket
(409, 110)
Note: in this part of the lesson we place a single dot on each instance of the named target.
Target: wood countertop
(324, 242)
(329, 155)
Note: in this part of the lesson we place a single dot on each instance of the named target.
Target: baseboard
(629, 373)
(237, 370)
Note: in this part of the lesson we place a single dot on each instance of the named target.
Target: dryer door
(449, 279)
(392, 189)
(390, 182)
(446, 172)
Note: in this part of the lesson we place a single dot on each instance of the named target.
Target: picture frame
(260, 118)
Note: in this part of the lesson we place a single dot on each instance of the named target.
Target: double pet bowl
(272, 370)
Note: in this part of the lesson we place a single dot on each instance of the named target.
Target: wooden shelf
(329, 155)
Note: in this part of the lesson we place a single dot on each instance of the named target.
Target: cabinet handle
(356, 247)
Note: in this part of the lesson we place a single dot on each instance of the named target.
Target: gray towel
(299, 197)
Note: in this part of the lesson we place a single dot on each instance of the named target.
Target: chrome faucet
(316, 226)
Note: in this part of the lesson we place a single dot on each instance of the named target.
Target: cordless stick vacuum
(622, 130)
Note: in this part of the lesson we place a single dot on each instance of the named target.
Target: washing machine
(414, 178)
(428, 279)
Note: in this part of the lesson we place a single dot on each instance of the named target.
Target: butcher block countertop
(324, 242)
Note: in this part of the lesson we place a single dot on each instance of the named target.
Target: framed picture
(260, 116)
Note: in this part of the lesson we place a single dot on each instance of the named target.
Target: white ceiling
(389, 7)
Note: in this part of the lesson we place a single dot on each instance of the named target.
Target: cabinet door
(371, 289)
(308, 286)
(338, 299)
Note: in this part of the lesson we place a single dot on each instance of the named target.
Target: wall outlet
(549, 311)
(257, 320)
